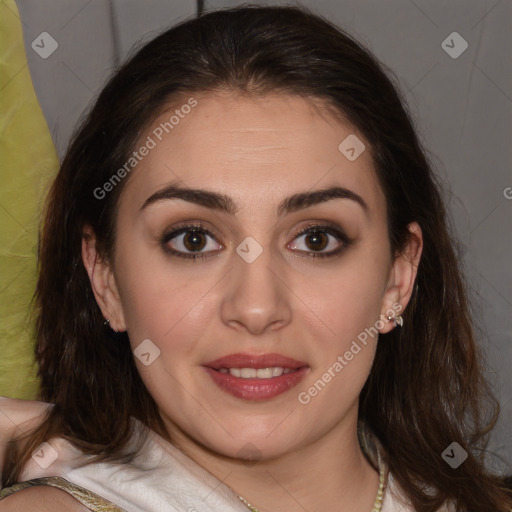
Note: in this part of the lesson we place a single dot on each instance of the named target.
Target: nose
(257, 297)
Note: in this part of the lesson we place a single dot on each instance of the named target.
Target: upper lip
(255, 361)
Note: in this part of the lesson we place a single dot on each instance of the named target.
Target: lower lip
(257, 389)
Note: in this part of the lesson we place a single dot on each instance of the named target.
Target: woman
(248, 294)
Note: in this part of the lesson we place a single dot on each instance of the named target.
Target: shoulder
(42, 499)
(17, 417)
(20, 414)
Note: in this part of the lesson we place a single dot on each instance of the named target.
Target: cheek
(345, 301)
(168, 307)
(347, 308)
(346, 343)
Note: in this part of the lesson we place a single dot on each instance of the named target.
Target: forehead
(252, 148)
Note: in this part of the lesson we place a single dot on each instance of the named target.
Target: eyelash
(323, 228)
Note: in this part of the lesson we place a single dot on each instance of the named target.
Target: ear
(402, 278)
(102, 281)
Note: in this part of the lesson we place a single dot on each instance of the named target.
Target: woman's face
(265, 290)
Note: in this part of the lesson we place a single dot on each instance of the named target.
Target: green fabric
(28, 163)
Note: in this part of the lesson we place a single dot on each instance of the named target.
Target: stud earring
(398, 320)
(106, 323)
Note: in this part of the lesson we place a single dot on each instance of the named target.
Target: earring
(397, 319)
(106, 323)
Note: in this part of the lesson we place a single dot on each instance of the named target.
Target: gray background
(462, 107)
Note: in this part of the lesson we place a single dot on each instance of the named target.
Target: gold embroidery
(91, 500)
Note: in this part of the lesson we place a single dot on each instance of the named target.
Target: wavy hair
(426, 388)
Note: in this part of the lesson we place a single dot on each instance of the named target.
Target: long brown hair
(426, 388)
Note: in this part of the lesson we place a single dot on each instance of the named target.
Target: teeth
(259, 373)
(276, 372)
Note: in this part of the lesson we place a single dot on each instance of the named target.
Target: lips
(255, 361)
(230, 373)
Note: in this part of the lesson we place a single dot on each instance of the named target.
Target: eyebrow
(224, 203)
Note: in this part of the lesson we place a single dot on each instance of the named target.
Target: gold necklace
(378, 500)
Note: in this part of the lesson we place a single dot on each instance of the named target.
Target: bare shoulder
(16, 413)
(41, 499)
(17, 417)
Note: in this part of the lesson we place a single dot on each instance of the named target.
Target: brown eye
(190, 242)
(194, 240)
(316, 239)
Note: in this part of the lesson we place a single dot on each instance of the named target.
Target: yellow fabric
(28, 162)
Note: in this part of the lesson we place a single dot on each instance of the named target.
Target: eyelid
(189, 226)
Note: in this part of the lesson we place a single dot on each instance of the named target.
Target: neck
(333, 463)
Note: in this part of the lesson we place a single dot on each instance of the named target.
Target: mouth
(253, 377)
(257, 373)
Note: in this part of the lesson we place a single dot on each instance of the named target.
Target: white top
(160, 477)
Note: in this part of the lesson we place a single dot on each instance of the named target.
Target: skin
(42, 499)
(258, 151)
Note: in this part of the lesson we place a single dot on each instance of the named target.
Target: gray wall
(461, 103)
